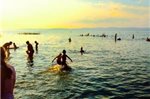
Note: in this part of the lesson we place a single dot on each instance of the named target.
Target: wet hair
(27, 42)
(10, 42)
(6, 72)
(64, 51)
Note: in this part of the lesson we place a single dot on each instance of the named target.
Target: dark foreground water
(107, 70)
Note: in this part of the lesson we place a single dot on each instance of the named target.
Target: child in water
(82, 51)
(64, 58)
(61, 60)
(58, 59)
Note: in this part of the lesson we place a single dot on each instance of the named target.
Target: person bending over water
(6, 46)
(64, 58)
(7, 77)
(58, 59)
(30, 50)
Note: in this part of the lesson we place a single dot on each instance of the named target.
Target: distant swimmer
(103, 35)
(81, 35)
(87, 34)
(69, 40)
(36, 46)
(82, 51)
(148, 39)
(6, 46)
(58, 59)
(133, 36)
(30, 50)
(64, 58)
(119, 39)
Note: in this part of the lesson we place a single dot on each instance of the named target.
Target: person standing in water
(82, 51)
(115, 37)
(36, 46)
(58, 59)
(7, 77)
(30, 50)
(64, 58)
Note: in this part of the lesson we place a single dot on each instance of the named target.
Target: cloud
(116, 14)
(74, 13)
(107, 20)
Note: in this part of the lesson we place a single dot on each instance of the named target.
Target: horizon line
(78, 28)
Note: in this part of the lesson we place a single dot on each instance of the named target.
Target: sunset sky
(21, 14)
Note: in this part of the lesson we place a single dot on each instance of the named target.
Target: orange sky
(20, 14)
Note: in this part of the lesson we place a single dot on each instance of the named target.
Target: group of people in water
(29, 51)
(8, 74)
(7, 71)
(61, 60)
(93, 35)
(104, 35)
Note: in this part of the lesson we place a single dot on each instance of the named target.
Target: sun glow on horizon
(18, 14)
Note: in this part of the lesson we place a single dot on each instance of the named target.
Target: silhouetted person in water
(69, 40)
(64, 57)
(6, 46)
(82, 51)
(58, 59)
(36, 46)
(15, 47)
(133, 36)
(30, 50)
(115, 37)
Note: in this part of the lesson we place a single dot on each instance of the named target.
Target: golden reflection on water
(105, 67)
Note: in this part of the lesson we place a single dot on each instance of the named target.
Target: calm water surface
(107, 69)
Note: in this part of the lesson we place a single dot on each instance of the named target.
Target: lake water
(107, 70)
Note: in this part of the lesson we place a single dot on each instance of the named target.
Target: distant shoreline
(29, 33)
